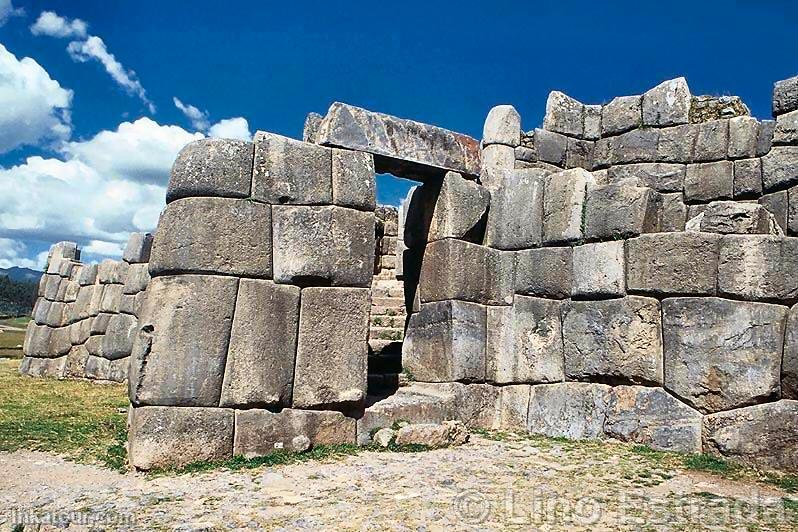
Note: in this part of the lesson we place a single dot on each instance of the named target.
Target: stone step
(388, 291)
(386, 273)
(386, 333)
(395, 322)
(387, 311)
(391, 302)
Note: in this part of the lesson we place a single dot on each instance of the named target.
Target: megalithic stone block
(599, 269)
(502, 126)
(621, 211)
(789, 365)
(785, 96)
(747, 178)
(329, 243)
(564, 115)
(667, 104)
(662, 177)
(496, 159)
(636, 146)
(460, 206)
(786, 131)
(214, 235)
(119, 336)
(777, 204)
(743, 135)
(722, 354)
(260, 361)
(544, 272)
(515, 217)
(621, 114)
(138, 277)
(353, 180)
(574, 410)
(758, 267)
(184, 332)
(331, 360)
(709, 181)
(401, 147)
(138, 248)
(780, 167)
(674, 212)
(445, 341)
(712, 141)
(563, 203)
(677, 144)
(311, 128)
(734, 217)
(288, 171)
(212, 167)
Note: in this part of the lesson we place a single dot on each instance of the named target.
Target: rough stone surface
(496, 159)
(780, 167)
(311, 128)
(401, 147)
(551, 147)
(384, 437)
(777, 203)
(592, 122)
(332, 347)
(747, 178)
(212, 167)
(460, 206)
(214, 235)
(544, 272)
(514, 407)
(706, 108)
(445, 342)
(579, 153)
(573, 410)
(515, 217)
(287, 171)
(259, 369)
(672, 263)
(676, 144)
(502, 126)
(621, 114)
(722, 354)
(184, 331)
(636, 146)
(712, 141)
(446, 434)
(709, 181)
(789, 363)
(650, 416)
(138, 248)
(330, 243)
(563, 202)
(667, 104)
(119, 336)
(161, 437)
(524, 342)
(764, 138)
(785, 96)
(761, 434)
(613, 340)
(786, 131)
(620, 211)
(353, 180)
(732, 217)
(599, 269)
(674, 213)
(662, 177)
(564, 115)
(758, 267)
(743, 134)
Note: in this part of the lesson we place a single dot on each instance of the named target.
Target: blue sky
(100, 133)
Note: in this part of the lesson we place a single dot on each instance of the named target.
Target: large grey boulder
(332, 348)
(780, 167)
(514, 407)
(544, 272)
(777, 203)
(433, 435)
(743, 135)
(747, 178)
(460, 206)
(551, 147)
(564, 115)
(786, 131)
(673, 215)
(613, 340)
(138, 277)
(621, 114)
(214, 235)
(323, 242)
(764, 138)
(496, 159)
(287, 171)
(662, 177)
(672, 263)
(573, 410)
(709, 181)
(667, 104)
(259, 370)
(515, 217)
(579, 153)
(401, 147)
(353, 180)
(162, 437)
(445, 341)
(261, 432)
(599, 270)
(620, 211)
(310, 130)
(563, 203)
(650, 416)
(676, 144)
(789, 363)
(785, 96)
(733, 217)
(212, 167)
(763, 435)
(712, 141)
(758, 267)
(184, 332)
(502, 126)
(722, 354)
(119, 336)
(524, 342)
(138, 248)
(635, 146)
(592, 122)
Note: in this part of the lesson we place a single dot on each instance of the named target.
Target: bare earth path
(485, 484)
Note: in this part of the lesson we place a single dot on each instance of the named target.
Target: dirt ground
(487, 484)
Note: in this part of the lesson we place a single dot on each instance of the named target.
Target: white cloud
(101, 247)
(7, 10)
(199, 119)
(33, 106)
(94, 48)
(52, 25)
(231, 128)
(13, 253)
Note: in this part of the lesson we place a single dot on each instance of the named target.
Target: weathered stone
(502, 126)
(37, 341)
(579, 153)
(119, 336)
(789, 364)
(524, 342)
(792, 211)
(667, 104)
(111, 272)
(445, 342)
(212, 167)
(722, 354)
(112, 298)
(758, 267)
(712, 141)
(673, 214)
(621, 114)
(602, 153)
(515, 217)
(672, 263)
(563, 203)
(476, 405)
(599, 269)
(64, 250)
(460, 206)
(138, 248)
(592, 122)
(743, 133)
(564, 115)
(184, 331)
(652, 417)
(544, 272)
(71, 291)
(76, 362)
(496, 159)
(709, 181)
(332, 347)
(676, 144)
(484, 276)
(353, 180)
(88, 274)
(747, 178)
(290, 171)
(138, 277)
(384, 437)
(550, 146)
(777, 203)
(435, 436)
(400, 147)
(573, 410)
(102, 369)
(636, 146)
(525, 154)
(764, 435)
(733, 217)
(613, 340)
(662, 177)
(331, 243)
(764, 138)
(259, 370)
(786, 131)
(261, 432)
(514, 407)
(43, 367)
(706, 108)
(785, 96)
(620, 211)
(310, 130)
(51, 286)
(161, 437)
(79, 332)
(780, 167)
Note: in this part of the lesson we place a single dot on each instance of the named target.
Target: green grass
(11, 341)
(77, 419)
(20, 322)
(709, 463)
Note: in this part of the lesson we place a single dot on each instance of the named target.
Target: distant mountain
(21, 275)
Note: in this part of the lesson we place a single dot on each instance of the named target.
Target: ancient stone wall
(84, 320)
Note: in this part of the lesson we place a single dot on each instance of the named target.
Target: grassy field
(20, 322)
(10, 340)
(80, 420)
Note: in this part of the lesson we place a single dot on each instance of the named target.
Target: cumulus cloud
(52, 25)
(7, 10)
(33, 106)
(231, 128)
(13, 253)
(199, 119)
